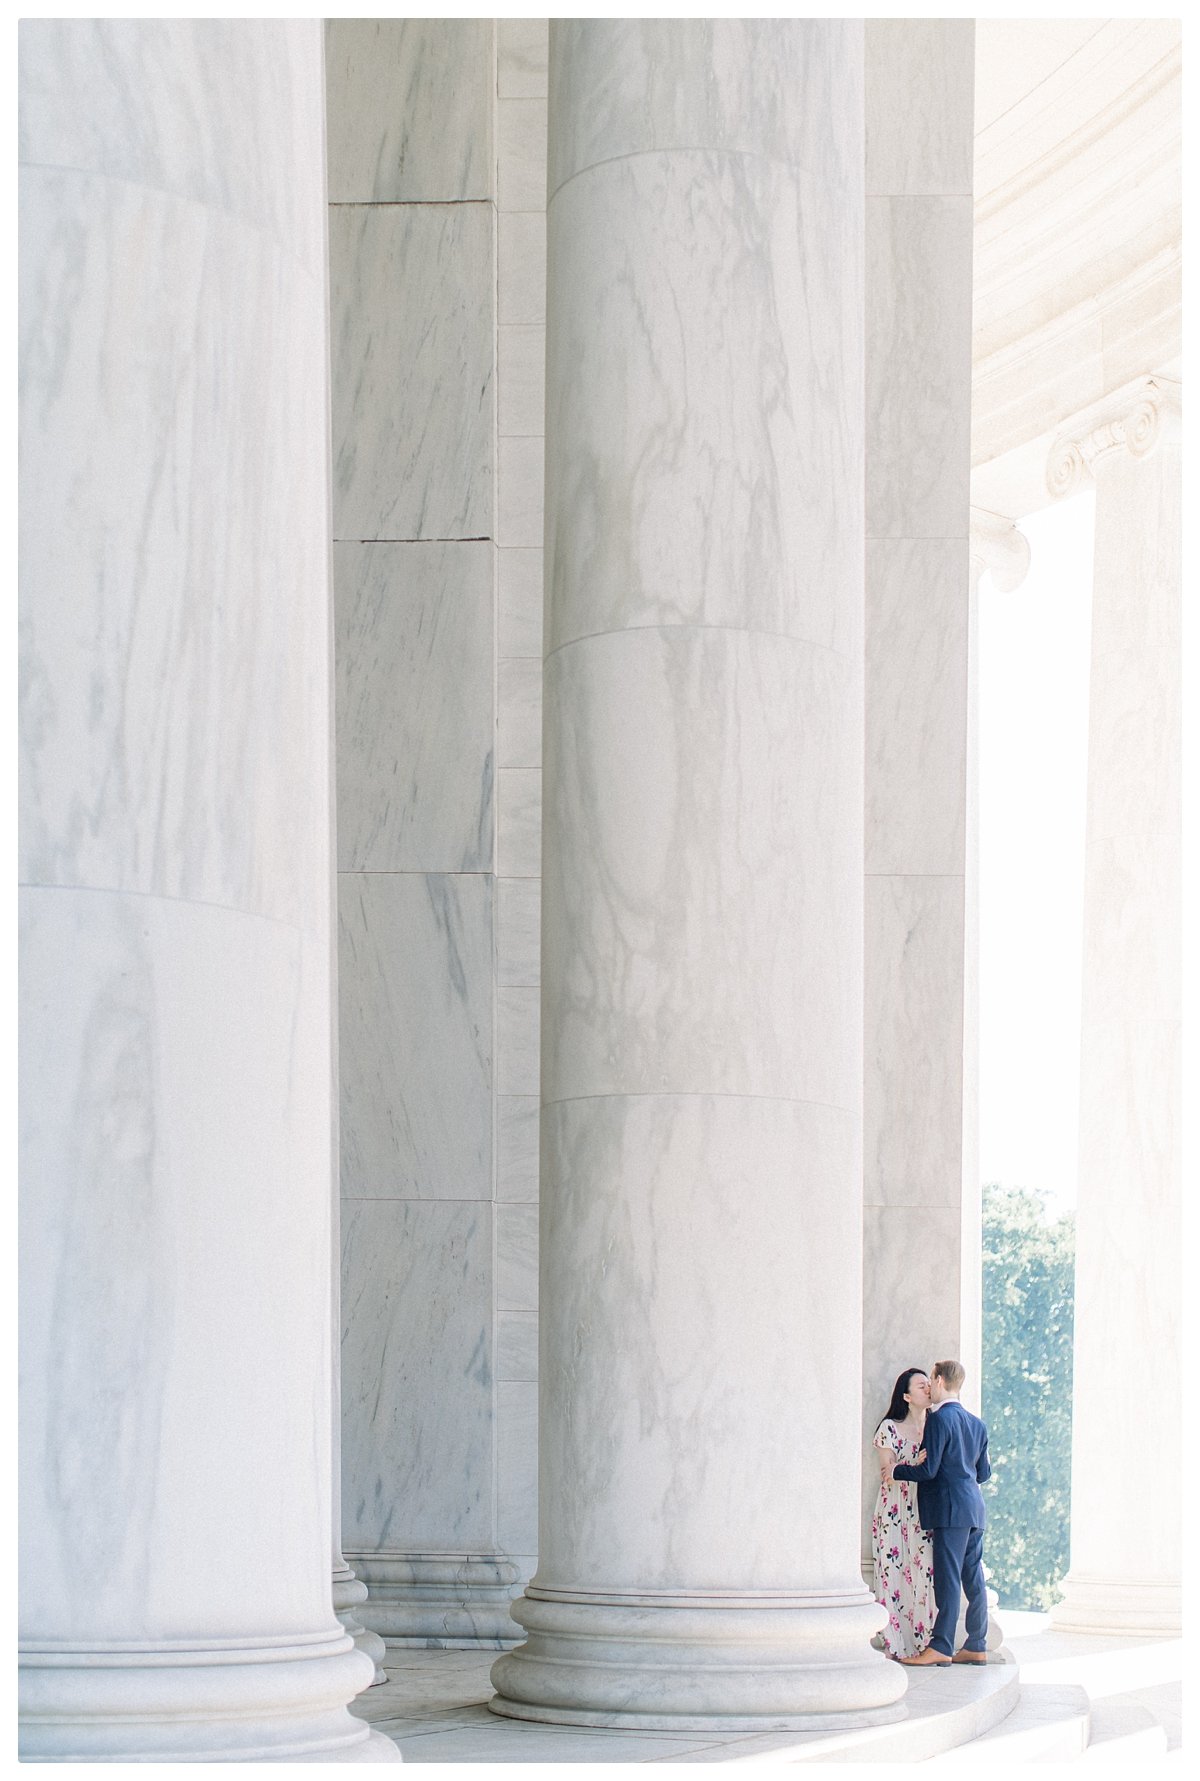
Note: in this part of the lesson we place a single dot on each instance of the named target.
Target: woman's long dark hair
(898, 1409)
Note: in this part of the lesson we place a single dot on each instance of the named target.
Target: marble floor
(1142, 1672)
(433, 1707)
(433, 1704)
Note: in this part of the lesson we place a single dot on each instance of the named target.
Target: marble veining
(918, 355)
(409, 110)
(177, 1501)
(519, 577)
(175, 1111)
(707, 456)
(920, 106)
(415, 1035)
(416, 1376)
(518, 932)
(516, 1258)
(516, 1345)
(517, 1147)
(916, 705)
(521, 268)
(168, 744)
(520, 495)
(521, 154)
(913, 1002)
(217, 112)
(413, 627)
(756, 87)
(519, 712)
(682, 1235)
(412, 325)
(517, 1465)
(704, 867)
(521, 377)
(519, 821)
(517, 1041)
(522, 48)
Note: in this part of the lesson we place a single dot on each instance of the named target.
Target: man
(950, 1468)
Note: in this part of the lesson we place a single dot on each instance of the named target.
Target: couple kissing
(927, 1530)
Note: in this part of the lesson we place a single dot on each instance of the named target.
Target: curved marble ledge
(686, 1237)
(442, 1600)
(348, 1595)
(262, 1703)
(675, 1668)
(707, 432)
(702, 888)
(761, 87)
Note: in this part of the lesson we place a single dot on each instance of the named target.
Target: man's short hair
(951, 1373)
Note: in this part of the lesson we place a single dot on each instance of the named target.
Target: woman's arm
(930, 1458)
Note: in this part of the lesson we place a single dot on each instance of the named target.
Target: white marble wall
(175, 864)
(918, 1181)
(437, 572)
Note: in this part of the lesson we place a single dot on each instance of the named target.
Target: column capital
(999, 549)
(1135, 419)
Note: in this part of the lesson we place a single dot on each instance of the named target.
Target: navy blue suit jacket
(956, 1464)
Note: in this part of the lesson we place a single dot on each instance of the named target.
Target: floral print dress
(903, 1555)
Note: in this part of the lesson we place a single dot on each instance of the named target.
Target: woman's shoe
(929, 1659)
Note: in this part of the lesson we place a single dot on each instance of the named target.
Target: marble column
(999, 557)
(702, 870)
(921, 1216)
(1126, 1521)
(175, 824)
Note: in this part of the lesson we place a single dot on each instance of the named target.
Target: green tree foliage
(1028, 1332)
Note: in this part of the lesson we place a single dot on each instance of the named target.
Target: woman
(902, 1550)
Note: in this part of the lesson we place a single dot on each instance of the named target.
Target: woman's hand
(920, 1459)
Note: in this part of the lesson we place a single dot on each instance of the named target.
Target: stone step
(1049, 1723)
(1124, 1731)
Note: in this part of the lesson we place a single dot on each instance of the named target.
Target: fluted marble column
(702, 955)
(1126, 1529)
(176, 1318)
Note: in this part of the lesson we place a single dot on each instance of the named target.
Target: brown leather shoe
(929, 1659)
(969, 1657)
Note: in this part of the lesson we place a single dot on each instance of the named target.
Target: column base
(439, 1600)
(1109, 1605)
(697, 1664)
(348, 1594)
(265, 1701)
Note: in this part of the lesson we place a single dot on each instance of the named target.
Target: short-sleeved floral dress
(903, 1555)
